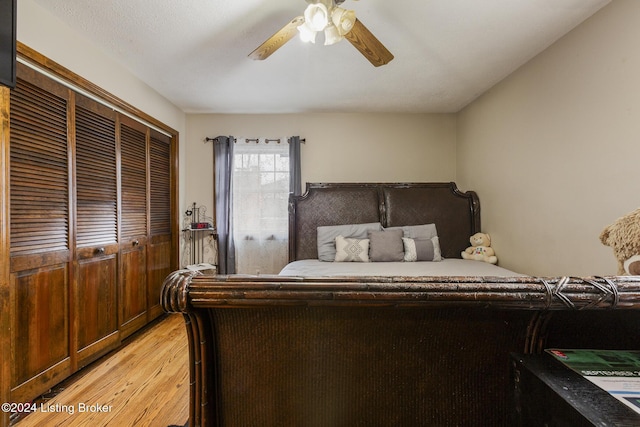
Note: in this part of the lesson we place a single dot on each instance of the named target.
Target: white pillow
(352, 250)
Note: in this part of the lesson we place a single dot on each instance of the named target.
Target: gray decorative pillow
(327, 237)
(421, 249)
(352, 250)
(386, 246)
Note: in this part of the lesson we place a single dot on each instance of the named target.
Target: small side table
(546, 393)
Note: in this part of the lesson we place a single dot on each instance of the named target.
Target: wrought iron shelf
(199, 242)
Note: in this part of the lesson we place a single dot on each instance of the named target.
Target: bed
(369, 345)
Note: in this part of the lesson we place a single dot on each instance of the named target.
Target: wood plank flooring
(145, 383)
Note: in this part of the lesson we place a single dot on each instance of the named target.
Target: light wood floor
(146, 383)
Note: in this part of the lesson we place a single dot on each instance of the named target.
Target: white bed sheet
(446, 267)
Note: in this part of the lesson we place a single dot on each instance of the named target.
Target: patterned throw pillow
(352, 250)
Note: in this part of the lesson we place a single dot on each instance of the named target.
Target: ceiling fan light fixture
(336, 23)
(331, 35)
(316, 16)
(306, 34)
(343, 19)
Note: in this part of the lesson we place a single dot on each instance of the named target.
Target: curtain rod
(256, 140)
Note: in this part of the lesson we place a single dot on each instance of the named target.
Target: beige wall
(338, 148)
(553, 150)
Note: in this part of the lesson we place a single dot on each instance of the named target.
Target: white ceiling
(447, 52)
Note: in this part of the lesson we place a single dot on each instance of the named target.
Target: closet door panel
(159, 269)
(134, 225)
(39, 176)
(40, 331)
(40, 255)
(160, 183)
(133, 297)
(133, 159)
(96, 230)
(96, 175)
(160, 217)
(96, 299)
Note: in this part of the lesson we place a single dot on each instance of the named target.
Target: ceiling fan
(336, 23)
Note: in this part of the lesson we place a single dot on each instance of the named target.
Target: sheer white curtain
(260, 205)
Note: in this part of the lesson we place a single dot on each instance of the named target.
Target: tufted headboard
(456, 214)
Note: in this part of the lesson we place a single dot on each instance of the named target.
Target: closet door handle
(99, 251)
(135, 242)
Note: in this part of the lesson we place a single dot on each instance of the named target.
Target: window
(260, 205)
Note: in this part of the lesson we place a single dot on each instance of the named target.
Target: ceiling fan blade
(277, 40)
(363, 40)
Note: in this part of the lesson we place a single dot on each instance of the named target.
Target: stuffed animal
(480, 249)
(624, 237)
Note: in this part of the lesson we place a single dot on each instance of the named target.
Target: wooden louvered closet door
(160, 217)
(133, 235)
(90, 230)
(96, 230)
(39, 184)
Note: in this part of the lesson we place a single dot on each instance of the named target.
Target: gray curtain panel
(295, 180)
(223, 165)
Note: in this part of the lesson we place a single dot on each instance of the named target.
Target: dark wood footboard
(432, 351)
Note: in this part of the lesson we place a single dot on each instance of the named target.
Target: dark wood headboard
(456, 214)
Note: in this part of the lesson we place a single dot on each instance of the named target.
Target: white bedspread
(446, 267)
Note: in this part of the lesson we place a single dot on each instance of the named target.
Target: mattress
(446, 267)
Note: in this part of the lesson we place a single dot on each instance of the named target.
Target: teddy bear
(623, 236)
(480, 249)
